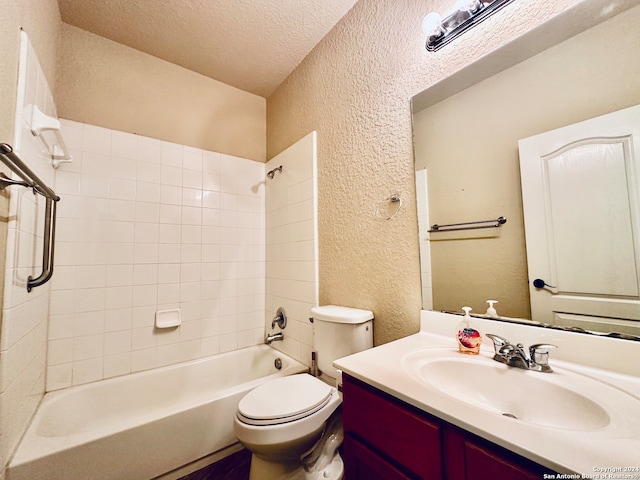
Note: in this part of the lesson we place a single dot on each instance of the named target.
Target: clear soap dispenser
(469, 339)
(491, 311)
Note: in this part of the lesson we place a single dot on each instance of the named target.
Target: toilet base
(262, 469)
(322, 463)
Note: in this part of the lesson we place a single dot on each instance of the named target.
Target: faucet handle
(498, 342)
(280, 319)
(539, 354)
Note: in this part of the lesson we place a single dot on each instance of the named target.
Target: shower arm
(272, 173)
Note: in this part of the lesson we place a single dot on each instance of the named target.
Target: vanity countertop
(612, 450)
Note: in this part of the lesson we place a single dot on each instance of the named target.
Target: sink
(561, 399)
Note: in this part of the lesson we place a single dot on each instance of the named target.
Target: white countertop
(566, 451)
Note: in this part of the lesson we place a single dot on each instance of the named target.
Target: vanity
(417, 408)
(405, 442)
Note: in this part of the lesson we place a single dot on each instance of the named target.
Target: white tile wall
(147, 225)
(292, 245)
(24, 315)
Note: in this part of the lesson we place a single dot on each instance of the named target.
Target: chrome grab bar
(31, 180)
(11, 160)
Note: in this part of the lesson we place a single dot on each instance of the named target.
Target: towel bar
(31, 180)
(450, 227)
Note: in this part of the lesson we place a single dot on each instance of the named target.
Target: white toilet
(292, 425)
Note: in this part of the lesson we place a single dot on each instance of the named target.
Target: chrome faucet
(273, 337)
(515, 356)
(280, 319)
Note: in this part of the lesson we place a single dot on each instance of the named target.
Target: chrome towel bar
(450, 227)
(31, 180)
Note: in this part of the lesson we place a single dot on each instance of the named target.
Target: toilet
(292, 425)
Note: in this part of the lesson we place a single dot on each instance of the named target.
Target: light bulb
(432, 25)
(470, 6)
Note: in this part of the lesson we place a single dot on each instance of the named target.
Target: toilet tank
(338, 332)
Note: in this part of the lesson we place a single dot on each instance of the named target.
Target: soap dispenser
(492, 311)
(469, 339)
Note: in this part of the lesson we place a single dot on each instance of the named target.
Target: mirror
(466, 133)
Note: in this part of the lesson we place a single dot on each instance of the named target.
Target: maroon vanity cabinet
(388, 439)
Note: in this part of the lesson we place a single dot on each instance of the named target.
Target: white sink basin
(561, 399)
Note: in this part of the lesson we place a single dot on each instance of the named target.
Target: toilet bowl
(282, 423)
(293, 425)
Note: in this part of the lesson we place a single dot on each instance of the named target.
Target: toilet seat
(284, 400)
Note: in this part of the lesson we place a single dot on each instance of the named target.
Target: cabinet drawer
(392, 429)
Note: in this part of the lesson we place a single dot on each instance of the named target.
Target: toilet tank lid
(336, 314)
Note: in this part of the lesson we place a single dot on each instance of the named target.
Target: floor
(233, 467)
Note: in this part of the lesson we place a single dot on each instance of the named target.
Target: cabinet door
(405, 437)
(363, 464)
(483, 464)
(469, 458)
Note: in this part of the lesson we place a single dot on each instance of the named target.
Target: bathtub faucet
(273, 337)
(280, 319)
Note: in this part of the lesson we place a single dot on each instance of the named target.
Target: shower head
(272, 173)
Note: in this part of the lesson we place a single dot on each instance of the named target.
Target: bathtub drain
(278, 363)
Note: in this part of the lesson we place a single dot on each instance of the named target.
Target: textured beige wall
(355, 88)
(479, 177)
(104, 83)
(41, 20)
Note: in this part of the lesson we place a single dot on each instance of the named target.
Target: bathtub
(143, 425)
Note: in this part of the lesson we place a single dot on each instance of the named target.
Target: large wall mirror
(466, 134)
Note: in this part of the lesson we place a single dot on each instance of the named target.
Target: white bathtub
(145, 424)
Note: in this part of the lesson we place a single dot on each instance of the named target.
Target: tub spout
(273, 337)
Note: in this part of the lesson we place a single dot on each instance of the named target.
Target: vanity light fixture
(469, 13)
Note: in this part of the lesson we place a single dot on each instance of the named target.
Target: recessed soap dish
(168, 318)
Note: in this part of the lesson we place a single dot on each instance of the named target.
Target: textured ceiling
(249, 44)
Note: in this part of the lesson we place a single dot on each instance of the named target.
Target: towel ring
(395, 198)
